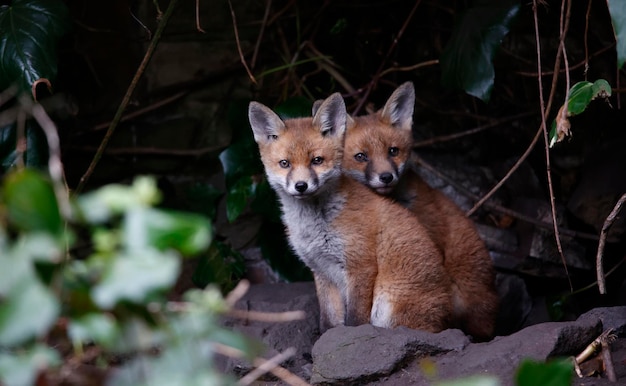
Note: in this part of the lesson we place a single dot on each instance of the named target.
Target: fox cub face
(301, 156)
(378, 146)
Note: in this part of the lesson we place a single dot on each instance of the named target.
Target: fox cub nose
(386, 178)
(301, 186)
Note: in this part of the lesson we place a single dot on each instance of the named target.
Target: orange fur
(466, 259)
(372, 260)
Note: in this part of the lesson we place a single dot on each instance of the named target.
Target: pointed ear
(398, 110)
(331, 116)
(316, 106)
(266, 124)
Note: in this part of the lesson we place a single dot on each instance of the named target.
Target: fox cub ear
(398, 111)
(330, 116)
(266, 124)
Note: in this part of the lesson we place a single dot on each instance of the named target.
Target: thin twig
(603, 233)
(607, 360)
(198, 26)
(241, 57)
(257, 46)
(126, 99)
(238, 292)
(278, 371)
(410, 68)
(585, 39)
(55, 166)
(151, 151)
(574, 67)
(274, 317)
(393, 45)
(450, 137)
(267, 366)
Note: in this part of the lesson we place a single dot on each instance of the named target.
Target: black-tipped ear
(316, 106)
(266, 124)
(331, 116)
(398, 110)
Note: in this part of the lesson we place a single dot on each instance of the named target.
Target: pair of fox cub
(384, 247)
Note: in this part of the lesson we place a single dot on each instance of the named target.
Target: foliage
(31, 30)
(551, 373)
(467, 60)
(116, 295)
(579, 97)
(617, 9)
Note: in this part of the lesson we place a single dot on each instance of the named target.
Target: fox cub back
(372, 260)
(377, 153)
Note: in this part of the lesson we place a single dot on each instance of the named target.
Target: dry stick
(153, 151)
(445, 138)
(278, 371)
(605, 229)
(126, 99)
(410, 68)
(575, 66)
(198, 27)
(267, 366)
(498, 208)
(238, 292)
(257, 46)
(376, 76)
(607, 359)
(585, 39)
(241, 57)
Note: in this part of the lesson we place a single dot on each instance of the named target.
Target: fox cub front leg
(332, 307)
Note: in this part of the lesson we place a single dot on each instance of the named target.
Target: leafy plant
(551, 373)
(115, 296)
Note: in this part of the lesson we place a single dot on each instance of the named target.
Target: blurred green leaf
(617, 9)
(21, 367)
(100, 328)
(29, 33)
(153, 228)
(467, 59)
(31, 203)
(135, 277)
(35, 154)
(552, 373)
(17, 323)
(478, 380)
(114, 199)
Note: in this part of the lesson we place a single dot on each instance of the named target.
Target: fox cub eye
(283, 163)
(317, 161)
(393, 151)
(361, 157)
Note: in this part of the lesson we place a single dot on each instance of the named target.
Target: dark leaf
(554, 373)
(467, 59)
(29, 33)
(239, 195)
(617, 9)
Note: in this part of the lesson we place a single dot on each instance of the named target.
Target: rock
(355, 355)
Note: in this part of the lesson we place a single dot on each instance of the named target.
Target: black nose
(386, 177)
(301, 186)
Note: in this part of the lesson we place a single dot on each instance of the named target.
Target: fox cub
(378, 152)
(372, 260)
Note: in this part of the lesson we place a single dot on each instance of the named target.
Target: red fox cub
(372, 260)
(377, 153)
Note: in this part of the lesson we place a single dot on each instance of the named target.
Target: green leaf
(31, 30)
(31, 203)
(220, 265)
(36, 153)
(21, 368)
(17, 322)
(467, 59)
(239, 195)
(153, 228)
(100, 328)
(552, 373)
(477, 380)
(135, 277)
(617, 9)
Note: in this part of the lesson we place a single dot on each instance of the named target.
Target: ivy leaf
(579, 97)
(31, 203)
(21, 368)
(100, 328)
(31, 30)
(135, 277)
(617, 9)
(153, 228)
(239, 195)
(467, 59)
(554, 373)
